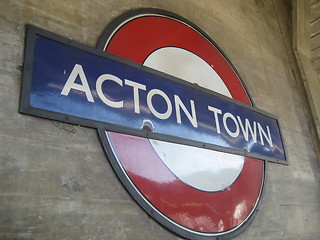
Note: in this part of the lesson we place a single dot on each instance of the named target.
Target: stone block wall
(55, 179)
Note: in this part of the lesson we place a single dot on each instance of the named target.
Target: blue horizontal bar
(78, 85)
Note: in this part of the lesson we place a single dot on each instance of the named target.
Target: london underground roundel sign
(195, 192)
(172, 113)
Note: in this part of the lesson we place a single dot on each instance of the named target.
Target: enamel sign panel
(172, 113)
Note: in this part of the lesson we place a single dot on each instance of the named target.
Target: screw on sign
(172, 113)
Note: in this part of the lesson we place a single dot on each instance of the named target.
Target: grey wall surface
(55, 180)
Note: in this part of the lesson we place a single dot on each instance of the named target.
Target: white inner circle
(203, 169)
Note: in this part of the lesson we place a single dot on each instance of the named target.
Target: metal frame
(121, 173)
(32, 32)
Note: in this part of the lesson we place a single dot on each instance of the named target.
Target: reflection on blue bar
(73, 82)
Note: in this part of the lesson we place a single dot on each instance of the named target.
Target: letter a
(70, 84)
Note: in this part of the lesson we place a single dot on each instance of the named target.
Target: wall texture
(55, 180)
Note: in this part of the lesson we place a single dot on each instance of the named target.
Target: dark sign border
(125, 180)
(33, 32)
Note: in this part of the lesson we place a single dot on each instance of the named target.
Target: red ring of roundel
(199, 211)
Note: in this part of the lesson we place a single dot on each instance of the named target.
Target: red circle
(199, 211)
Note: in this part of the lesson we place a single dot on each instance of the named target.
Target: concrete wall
(55, 180)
